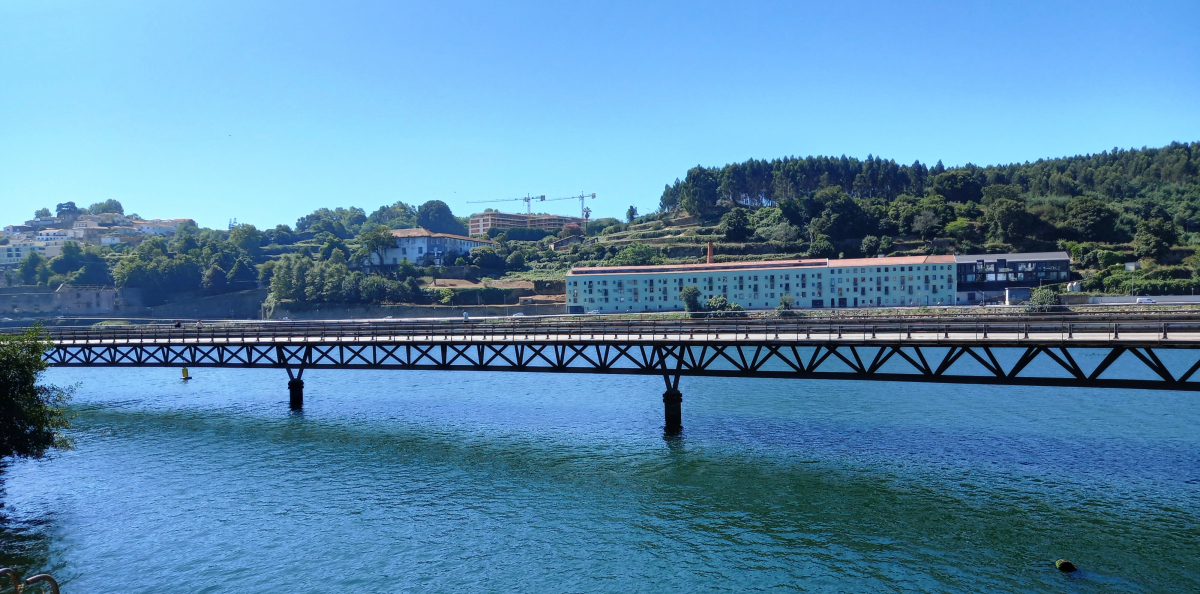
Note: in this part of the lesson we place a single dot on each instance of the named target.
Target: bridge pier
(296, 394)
(295, 389)
(672, 411)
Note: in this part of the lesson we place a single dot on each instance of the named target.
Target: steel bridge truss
(1037, 365)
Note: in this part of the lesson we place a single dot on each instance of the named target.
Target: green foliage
(445, 296)
(515, 261)
(342, 222)
(722, 307)
(631, 214)
(525, 234)
(786, 302)
(486, 257)
(248, 239)
(1042, 299)
(870, 245)
(1091, 219)
(1154, 237)
(109, 205)
(435, 216)
(42, 213)
(32, 415)
(958, 186)
(396, 216)
(821, 248)
(635, 254)
(691, 298)
(570, 229)
(67, 209)
(215, 280)
(735, 225)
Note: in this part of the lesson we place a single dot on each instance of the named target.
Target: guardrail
(714, 329)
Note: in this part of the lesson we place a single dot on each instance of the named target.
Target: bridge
(1008, 350)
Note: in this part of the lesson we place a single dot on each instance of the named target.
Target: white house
(421, 246)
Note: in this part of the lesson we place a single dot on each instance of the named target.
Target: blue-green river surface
(407, 481)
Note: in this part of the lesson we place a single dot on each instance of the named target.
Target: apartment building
(482, 222)
(809, 283)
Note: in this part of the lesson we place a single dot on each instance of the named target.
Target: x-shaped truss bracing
(1059, 365)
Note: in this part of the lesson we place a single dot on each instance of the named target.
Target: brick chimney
(710, 252)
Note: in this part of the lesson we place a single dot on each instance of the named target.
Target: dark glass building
(986, 276)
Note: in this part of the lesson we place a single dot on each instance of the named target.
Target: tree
(32, 269)
(1091, 218)
(631, 213)
(635, 254)
(214, 281)
(821, 248)
(1154, 238)
(110, 205)
(927, 224)
(691, 298)
(515, 261)
(1042, 299)
(242, 273)
(32, 415)
(1006, 219)
(42, 213)
(569, 230)
(786, 302)
(870, 245)
(698, 193)
(377, 240)
(957, 186)
(67, 209)
(720, 306)
(248, 239)
(435, 216)
(735, 224)
(486, 257)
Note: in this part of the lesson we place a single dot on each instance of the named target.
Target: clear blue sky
(264, 111)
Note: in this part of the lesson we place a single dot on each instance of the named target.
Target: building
(482, 222)
(422, 246)
(808, 283)
(12, 253)
(986, 277)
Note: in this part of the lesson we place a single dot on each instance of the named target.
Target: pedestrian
(466, 317)
(199, 325)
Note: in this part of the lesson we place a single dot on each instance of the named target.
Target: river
(470, 482)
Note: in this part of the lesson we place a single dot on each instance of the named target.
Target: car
(594, 312)
(387, 317)
(518, 315)
(1145, 300)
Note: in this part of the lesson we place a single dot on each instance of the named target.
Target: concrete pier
(296, 393)
(672, 411)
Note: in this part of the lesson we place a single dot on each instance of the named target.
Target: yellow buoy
(185, 375)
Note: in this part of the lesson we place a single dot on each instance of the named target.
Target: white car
(594, 312)
(1145, 300)
(518, 315)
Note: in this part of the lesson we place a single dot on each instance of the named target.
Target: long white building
(810, 283)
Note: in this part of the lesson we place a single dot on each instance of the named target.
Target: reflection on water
(441, 481)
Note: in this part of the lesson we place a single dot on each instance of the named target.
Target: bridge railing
(651, 330)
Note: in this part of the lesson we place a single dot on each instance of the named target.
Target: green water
(467, 482)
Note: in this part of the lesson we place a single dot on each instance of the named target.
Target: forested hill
(1166, 176)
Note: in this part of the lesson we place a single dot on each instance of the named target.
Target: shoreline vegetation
(1105, 209)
